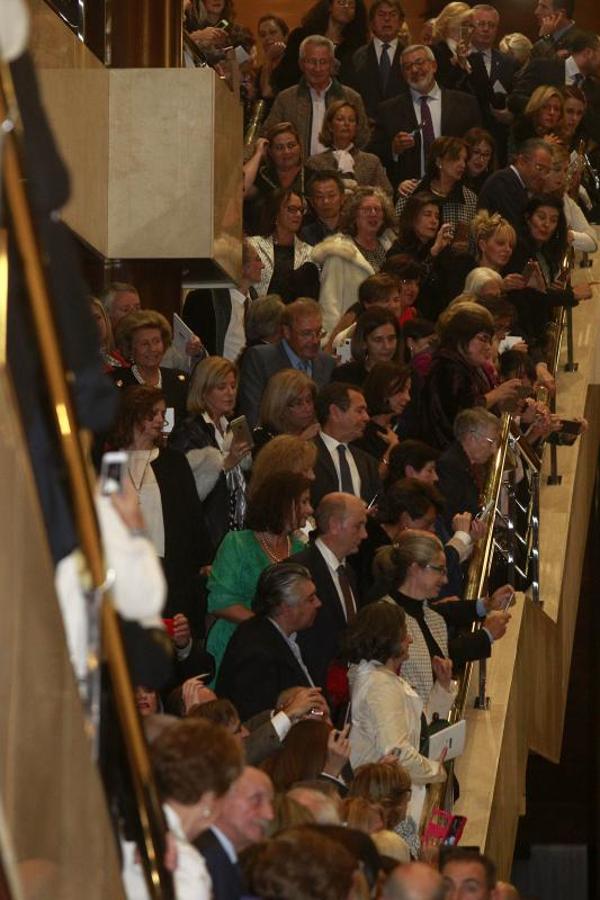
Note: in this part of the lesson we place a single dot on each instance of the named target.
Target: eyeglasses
(368, 210)
(441, 570)
(416, 63)
(483, 338)
(295, 210)
(482, 154)
(482, 437)
(312, 332)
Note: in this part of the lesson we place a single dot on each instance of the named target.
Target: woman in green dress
(276, 510)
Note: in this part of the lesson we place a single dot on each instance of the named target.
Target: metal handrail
(57, 379)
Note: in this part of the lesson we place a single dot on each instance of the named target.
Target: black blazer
(174, 387)
(258, 665)
(207, 311)
(225, 876)
(366, 78)
(326, 479)
(319, 643)
(460, 111)
(503, 70)
(457, 482)
(504, 193)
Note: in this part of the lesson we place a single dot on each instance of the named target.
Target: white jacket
(265, 248)
(584, 235)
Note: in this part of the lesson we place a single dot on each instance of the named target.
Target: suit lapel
(331, 597)
(324, 460)
(284, 653)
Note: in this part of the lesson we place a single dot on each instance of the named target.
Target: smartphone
(508, 601)
(113, 470)
(419, 128)
(523, 391)
(528, 270)
(223, 24)
(241, 431)
(345, 350)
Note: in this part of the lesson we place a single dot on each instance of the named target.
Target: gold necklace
(270, 549)
(138, 487)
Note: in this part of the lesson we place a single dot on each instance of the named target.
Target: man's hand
(402, 141)
(194, 346)
(549, 24)
(301, 703)
(496, 622)
(182, 634)
(462, 522)
(338, 751)
(500, 597)
(194, 693)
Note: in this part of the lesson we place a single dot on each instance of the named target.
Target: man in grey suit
(305, 104)
(300, 348)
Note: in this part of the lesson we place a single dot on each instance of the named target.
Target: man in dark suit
(342, 414)
(579, 68)
(557, 28)
(246, 811)
(341, 521)
(507, 190)
(300, 348)
(377, 75)
(262, 658)
(434, 111)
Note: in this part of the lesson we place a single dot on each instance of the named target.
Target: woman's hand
(338, 751)
(544, 377)
(310, 432)
(442, 670)
(261, 147)
(210, 35)
(194, 692)
(508, 390)
(514, 282)
(582, 291)
(237, 452)
(443, 239)
(182, 634)
(274, 53)
(407, 187)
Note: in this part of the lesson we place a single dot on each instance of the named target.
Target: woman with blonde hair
(495, 240)
(338, 134)
(580, 234)
(287, 407)
(388, 785)
(111, 357)
(218, 459)
(543, 117)
(451, 39)
(518, 46)
(284, 453)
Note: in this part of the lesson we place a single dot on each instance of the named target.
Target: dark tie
(384, 65)
(345, 476)
(427, 123)
(349, 604)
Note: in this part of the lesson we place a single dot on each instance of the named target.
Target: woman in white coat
(346, 259)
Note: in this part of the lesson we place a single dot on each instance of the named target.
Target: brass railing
(151, 818)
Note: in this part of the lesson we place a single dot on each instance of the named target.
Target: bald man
(341, 526)
(414, 881)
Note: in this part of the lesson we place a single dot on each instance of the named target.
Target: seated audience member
(541, 248)
(276, 165)
(142, 338)
(299, 348)
(218, 314)
(484, 283)
(282, 254)
(284, 453)
(111, 357)
(325, 195)
(273, 34)
(262, 658)
(194, 764)
(311, 750)
(377, 74)
(463, 869)
(363, 815)
(460, 376)
(305, 103)
(481, 159)
(380, 289)
(409, 274)
(583, 61)
(451, 37)
(287, 407)
(244, 817)
(263, 322)
(415, 880)
(288, 814)
(303, 864)
(541, 118)
(387, 393)
(495, 240)
(361, 847)
(348, 258)
(580, 234)
(342, 415)
(388, 785)
(216, 456)
(376, 339)
(338, 135)
(507, 191)
(412, 459)
(345, 26)
(321, 798)
(341, 520)
(398, 141)
(275, 511)
(164, 485)
(422, 236)
(518, 47)
(444, 178)
(574, 111)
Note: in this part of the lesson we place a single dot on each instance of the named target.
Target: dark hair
(553, 250)
(408, 495)
(368, 322)
(499, 307)
(376, 288)
(281, 23)
(270, 507)
(136, 404)
(277, 586)
(403, 266)
(383, 381)
(273, 206)
(302, 754)
(220, 711)
(409, 453)
(356, 842)
(336, 393)
(580, 40)
(450, 147)
(413, 206)
(514, 364)
(528, 147)
(572, 92)
(465, 854)
(316, 20)
(475, 136)
(417, 329)
(325, 175)
(463, 325)
(374, 633)
(377, 3)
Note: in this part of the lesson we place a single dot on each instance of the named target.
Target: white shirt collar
(225, 843)
(518, 174)
(328, 555)
(571, 69)
(378, 44)
(330, 442)
(318, 95)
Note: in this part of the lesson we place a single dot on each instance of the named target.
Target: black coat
(326, 479)
(504, 193)
(451, 385)
(174, 387)
(366, 79)
(207, 311)
(226, 876)
(503, 70)
(257, 666)
(319, 643)
(457, 482)
(460, 111)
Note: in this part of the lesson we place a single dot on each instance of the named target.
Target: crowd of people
(310, 471)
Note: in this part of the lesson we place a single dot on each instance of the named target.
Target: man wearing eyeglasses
(407, 125)
(508, 190)
(377, 73)
(299, 348)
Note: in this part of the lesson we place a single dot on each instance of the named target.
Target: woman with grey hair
(367, 224)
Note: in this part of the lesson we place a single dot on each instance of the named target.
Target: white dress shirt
(332, 445)
(332, 564)
(318, 114)
(391, 51)
(235, 336)
(435, 108)
(571, 70)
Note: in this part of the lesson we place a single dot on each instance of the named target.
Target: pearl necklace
(269, 547)
(137, 375)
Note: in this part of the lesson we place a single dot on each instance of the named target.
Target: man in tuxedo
(491, 75)
(246, 811)
(557, 28)
(580, 68)
(377, 74)
(507, 191)
(407, 125)
(342, 414)
(262, 658)
(300, 348)
(341, 526)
